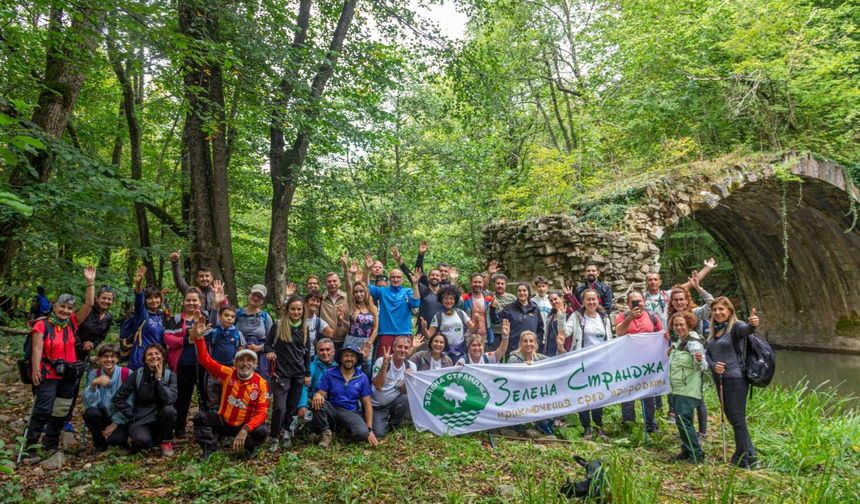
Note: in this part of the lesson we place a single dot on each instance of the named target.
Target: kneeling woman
(435, 357)
(105, 423)
(686, 365)
(726, 334)
(151, 416)
(475, 347)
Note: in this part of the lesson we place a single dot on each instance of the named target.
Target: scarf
(59, 323)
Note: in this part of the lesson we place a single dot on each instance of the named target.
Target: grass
(806, 439)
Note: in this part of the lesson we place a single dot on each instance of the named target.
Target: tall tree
(205, 144)
(68, 54)
(284, 163)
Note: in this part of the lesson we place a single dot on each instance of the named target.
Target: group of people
(336, 361)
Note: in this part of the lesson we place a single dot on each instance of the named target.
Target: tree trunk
(68, 53)
(205, 151)
(285, 165)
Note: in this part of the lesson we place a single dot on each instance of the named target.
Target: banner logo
(456, 399)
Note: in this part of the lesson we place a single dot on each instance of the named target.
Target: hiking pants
(96, 421)
(595, 415)
(628, 412)
(53, 398)
(148, 435)
(684, 407)
(391, 414)
(331, 417)
(209, 426)
(286, 392)
(187, 378)
(734, 402)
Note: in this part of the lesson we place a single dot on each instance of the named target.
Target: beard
(591, 278)
(245, 374)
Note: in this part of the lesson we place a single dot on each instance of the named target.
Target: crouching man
(336, 401)
(244, 402)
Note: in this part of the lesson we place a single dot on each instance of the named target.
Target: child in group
(223, 341)
(687, 363)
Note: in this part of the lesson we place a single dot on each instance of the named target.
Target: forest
(265, 138)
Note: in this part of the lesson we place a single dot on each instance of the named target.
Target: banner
(462, 399)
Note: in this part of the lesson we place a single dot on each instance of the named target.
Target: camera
(60, 368)
(68, 370)
(636, 303)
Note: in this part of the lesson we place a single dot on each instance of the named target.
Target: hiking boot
(287, 440)
(670, 416)
(249, 453)
(208, 451)
(587, 433)
(274, 446)
(167, 449)
(325, 439)
(681, 456)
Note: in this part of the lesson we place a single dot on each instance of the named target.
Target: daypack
(129, 337)
(759, 361)
(124, 374)
(25, 364)
(460, 313)
(603, 317)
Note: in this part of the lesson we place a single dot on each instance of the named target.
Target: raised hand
(493, 267)
(174, 257)
(395, 253)
(218, 288)
(344, 260)
(199, 328)
(415, 276)
(711, 263)
(453, 274)
(138, 276)
(368, 260)
(386, 357)
(567, 291)
(423, 326)
(366, 348)
(506, 328)
(90, 274)
(753, 319)
(353, 268)
(422, 247)
(694, 280)
(291, 289)
(418, 340)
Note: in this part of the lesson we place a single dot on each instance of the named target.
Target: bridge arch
(749, 208)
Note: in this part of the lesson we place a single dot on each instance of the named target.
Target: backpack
(603, 317)
(759, 361)
(124, 374)
(25, 363)
(129, 337)
(437, 319)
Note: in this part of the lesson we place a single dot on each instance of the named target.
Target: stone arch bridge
(741, 205)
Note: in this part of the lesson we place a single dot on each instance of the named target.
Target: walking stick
(723, 419)
(647, 437)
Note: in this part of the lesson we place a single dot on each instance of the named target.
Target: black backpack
(759, 361)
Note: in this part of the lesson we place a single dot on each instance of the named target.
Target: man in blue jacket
(395, 305)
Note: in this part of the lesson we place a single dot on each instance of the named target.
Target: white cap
(259, 288)
(244, 352)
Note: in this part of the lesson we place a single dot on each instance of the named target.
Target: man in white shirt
(389, 399)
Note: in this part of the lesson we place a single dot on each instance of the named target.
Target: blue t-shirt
(395, 309)
(224, 343)
(341, 394)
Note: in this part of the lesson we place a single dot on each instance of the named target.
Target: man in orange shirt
(244, 400)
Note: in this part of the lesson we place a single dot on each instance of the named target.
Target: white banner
(462, 399)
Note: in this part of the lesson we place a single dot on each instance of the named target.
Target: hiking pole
(723, 419)
(647, 437)
(492, 440)
(26, 432)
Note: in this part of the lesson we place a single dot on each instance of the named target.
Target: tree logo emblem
(456, 399)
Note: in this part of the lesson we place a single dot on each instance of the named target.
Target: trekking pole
(492, 440)
(26, 432)
(723, 419)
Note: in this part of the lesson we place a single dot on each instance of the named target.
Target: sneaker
(670, 416)
(702, 435)
(559, 423)
(274, 446)
(325, 439)
(167, 449)
(587, 433)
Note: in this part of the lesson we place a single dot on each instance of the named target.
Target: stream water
(831, 369)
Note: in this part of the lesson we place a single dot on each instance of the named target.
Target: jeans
(628, 412)
(684, 407)
(392, 414)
